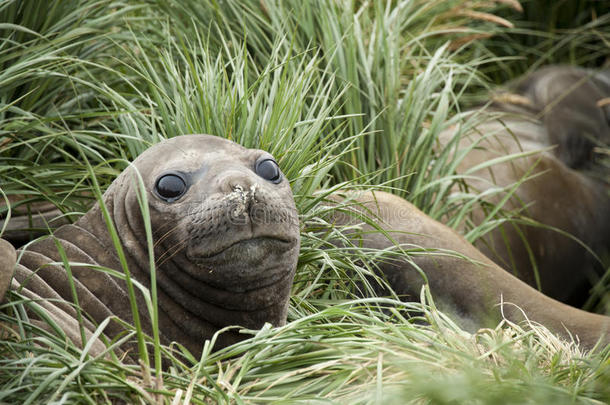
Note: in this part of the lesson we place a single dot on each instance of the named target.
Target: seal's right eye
(269, 170)
(170, 187)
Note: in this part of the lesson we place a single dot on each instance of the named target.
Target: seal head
(225, 229)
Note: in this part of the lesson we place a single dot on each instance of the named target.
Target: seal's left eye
(170, 187)
(269, 170)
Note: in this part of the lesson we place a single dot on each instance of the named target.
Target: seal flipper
(8, 258)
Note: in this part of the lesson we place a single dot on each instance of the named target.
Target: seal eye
(269, 170)
(170, 187)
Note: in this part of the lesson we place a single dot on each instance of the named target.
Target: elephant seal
(552, 121)
(226, 242)
(463, 281)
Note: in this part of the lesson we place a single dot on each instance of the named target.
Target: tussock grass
(345, 95)
(350, 352)
(574, 32)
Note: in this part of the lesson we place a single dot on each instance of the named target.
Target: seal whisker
(166, 235)
(178, 248)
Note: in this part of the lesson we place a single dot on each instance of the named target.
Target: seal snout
(224, 219)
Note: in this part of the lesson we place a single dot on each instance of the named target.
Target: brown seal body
(462, 280)
(226, 241)
(555, 120)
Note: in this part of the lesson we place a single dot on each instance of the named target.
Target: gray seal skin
(226, 238)
(557, 117)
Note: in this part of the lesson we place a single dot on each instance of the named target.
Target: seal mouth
(282, 243)
(244, 264)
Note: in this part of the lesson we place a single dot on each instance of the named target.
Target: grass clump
(343, 94)
(362, 351)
